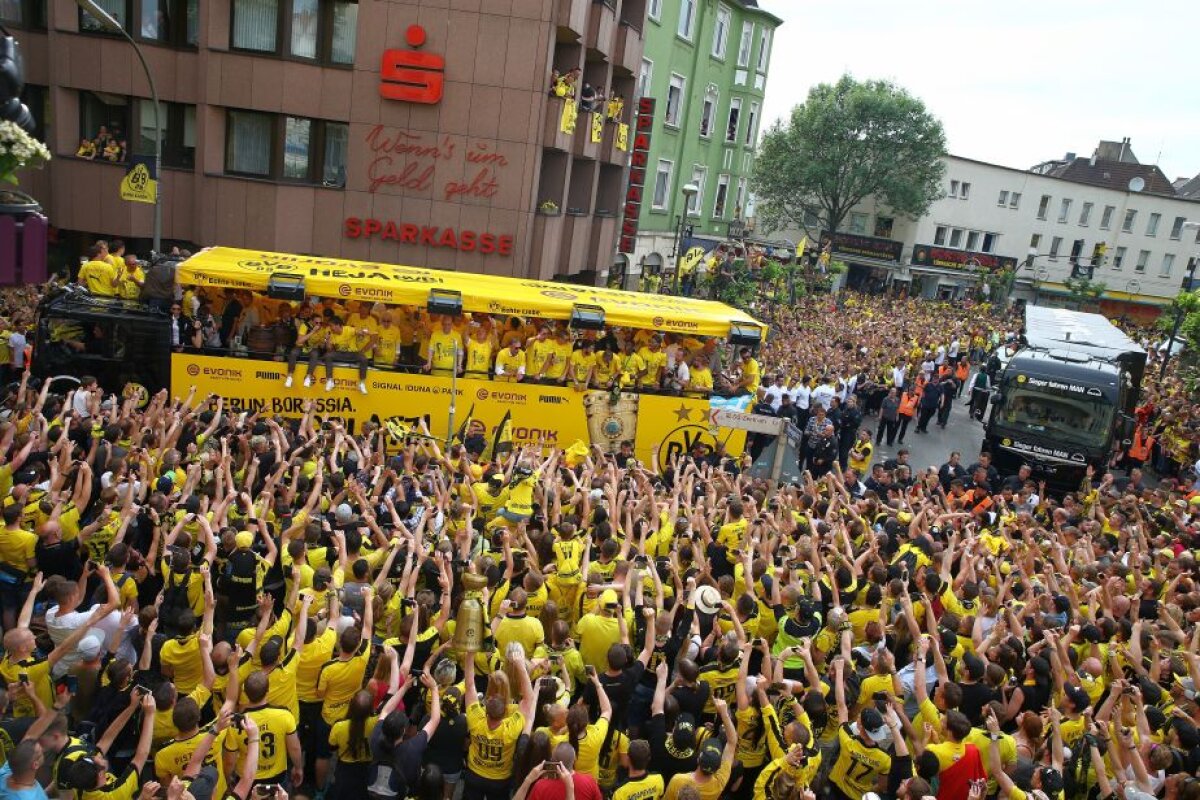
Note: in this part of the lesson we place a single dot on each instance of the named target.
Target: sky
(1014, 83)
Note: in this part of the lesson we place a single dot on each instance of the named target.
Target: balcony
(627, 50)
(583, 146)
(571, 19)
(575, 245)
(602, 21)
(546, 244)
(552, 134)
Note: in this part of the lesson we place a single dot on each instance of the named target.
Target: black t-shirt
(619, 689)
(61, 558)
(447, 747)
(974, 697)
(692, 699)
(665, 759)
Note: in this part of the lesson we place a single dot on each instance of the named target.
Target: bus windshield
(1059, 417)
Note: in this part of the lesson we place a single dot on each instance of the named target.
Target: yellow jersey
(339, 742)
(479, 357)
(275, 725)
(172, 758)
(338, 682)
(492, 750)
(183, 656)
(443, 350)
(312, 658)
(510, 365)
(859, 766)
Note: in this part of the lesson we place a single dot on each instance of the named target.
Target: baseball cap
(872, 720)
(608, 598)
(165, 484)
(244, 540)
(1078, 697)
(343, 514)
(709, 760)
(1052, 781)
(90, 646)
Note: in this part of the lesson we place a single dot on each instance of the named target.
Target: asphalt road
(933, 449)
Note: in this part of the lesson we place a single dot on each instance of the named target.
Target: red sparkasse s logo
(412, 76)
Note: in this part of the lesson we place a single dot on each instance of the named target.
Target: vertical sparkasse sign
(637, 174)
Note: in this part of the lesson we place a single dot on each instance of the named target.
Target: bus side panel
(554, 416)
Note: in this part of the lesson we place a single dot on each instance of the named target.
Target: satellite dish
(1137, 184)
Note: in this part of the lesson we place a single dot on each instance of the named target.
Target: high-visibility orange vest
(1141, 446)
(908, 404)
(963, 371)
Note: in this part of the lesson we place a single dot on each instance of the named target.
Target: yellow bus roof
(233, 268)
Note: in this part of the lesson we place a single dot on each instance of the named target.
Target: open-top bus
(127, 344)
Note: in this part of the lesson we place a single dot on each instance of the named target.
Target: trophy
(468, 624)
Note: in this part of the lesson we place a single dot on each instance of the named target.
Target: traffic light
(12, 81)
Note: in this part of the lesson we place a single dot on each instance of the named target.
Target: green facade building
(705, 63)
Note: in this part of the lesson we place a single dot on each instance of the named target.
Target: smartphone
(237, 721)
(590, 670)
(266, 789)
(142, 690)
(550, 767)
(23, 677)
(758, 642)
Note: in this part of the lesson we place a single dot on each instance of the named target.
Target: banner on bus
(231, 268)
(547, 416)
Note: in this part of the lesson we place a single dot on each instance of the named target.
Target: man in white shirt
(823, 393)
(899, 376)
(941, 355)
(775, 393)
(68, 614)
(955, 345)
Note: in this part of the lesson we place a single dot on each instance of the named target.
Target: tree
(1084, 292)
(848, 141)
(1187, 304)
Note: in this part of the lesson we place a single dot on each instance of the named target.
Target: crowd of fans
(198, 603)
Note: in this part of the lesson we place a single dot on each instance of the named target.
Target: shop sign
(928, 255)
(852, 244)
(638, 166)
(464, 241)
(411, 76)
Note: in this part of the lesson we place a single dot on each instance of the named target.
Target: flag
(576, 454)
(566, 122)
(597, 128)
(623, 137)
(397, 429)
(800, 248)
(139, 184)
(460, 436)
(502, 442)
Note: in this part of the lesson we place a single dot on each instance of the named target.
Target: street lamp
(689, 190)
(1179, 312)
(1039, 278)
(112, 26)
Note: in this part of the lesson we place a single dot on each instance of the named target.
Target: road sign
(740, 420)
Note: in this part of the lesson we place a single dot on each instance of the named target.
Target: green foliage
(850, 140)
(837, 268)
(1189, 330)
(1083, 291)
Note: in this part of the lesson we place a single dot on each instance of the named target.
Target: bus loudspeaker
(286, 286)
(745, 335)
(587, 318)
(445, 301)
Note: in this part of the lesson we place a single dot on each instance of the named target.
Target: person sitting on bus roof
(388, 339)
(510, 362)
(479, 352)
(347, 344)
(312, 336)
(444, 354)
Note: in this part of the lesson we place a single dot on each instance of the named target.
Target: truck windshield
(1057, 417)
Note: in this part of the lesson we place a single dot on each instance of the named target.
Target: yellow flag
(397, 429)
(137, 186)
(623, 137)
(576, 454)
(800, 248)
(690, 260)
(597, 128)
(566, 122)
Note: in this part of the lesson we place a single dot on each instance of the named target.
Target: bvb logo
(482, 394)
(344, 290)
(1021, 379)
(193, 369)
(657, 322)
(139, 178)
(559, 295)
(680, 442)
(1006, 442)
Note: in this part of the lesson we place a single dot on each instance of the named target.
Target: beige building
(419, 132)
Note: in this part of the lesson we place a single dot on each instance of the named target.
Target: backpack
(100, 596)
(175, 597)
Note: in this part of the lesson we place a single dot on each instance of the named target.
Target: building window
(179, 133)
(687, 19)
(1035, 241)
(883, 227)
(989, 243)
(104, 122)
(964, 190)
(287, 148)
(764, 50)
(1064, 210)
(1118, 257)
(117, 9)
(24, 13)
(751, 124)
(696, 202)
(662, 184)
(174, 22)
(1015, 200)
(735, 111)
(1152, 224)
(708, 113)
(956, 236)
(1143, 259)
(1130, 216)
(1055, 246)
(740, 198)
(325, 32)
(721, 32)
(1167, 262)
(939, 235)
(37, 100)
(746, 45)
(1003, 201)
(674, 99)
(858, 222)
(722, 196)
(1177, 227)
(1106, 217)
(1085, 213)
(954, 188)
(655, 10)
(972, 240)
(644, 77)
(1043, 206)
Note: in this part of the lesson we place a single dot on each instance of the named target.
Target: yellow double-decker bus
(554, 363)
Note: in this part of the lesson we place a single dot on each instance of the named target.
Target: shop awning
(232, 268)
